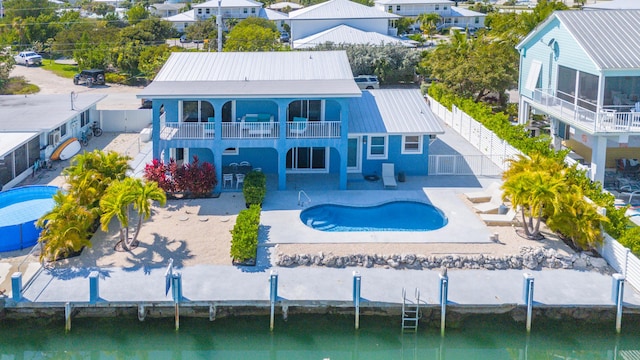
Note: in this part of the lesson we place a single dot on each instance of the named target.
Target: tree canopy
(253, 34)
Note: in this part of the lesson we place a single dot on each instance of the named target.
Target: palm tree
(534, 185)
(428, 23)
(65, 227)
(117, 202)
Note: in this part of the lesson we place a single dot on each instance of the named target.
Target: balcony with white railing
(611, 119)
(246, 130)
(175, 131)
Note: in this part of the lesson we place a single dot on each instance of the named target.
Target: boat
(67, 149)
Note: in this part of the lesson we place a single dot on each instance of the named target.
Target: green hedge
(244, 235)
(254, 188)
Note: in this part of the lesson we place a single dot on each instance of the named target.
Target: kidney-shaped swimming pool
(391, 216)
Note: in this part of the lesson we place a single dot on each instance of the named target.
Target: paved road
(120, 97)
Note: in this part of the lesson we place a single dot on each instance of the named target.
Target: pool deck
(313, 287)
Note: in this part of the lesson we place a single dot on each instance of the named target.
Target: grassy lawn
(19, 86)
(63, 70)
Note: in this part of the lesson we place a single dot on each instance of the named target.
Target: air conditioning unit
(54, 137)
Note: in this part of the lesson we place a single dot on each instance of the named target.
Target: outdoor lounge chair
(299, 126)
(492, 206)
(484, 195)
(389, 176)
(500, 219)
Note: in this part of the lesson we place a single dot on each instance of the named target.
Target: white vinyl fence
(464, 165)
(622, 260)
(125, 120)
(483, 139)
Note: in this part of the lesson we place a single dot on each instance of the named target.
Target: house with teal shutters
(293, 112)
(581, 71)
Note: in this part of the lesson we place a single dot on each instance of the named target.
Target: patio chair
(388, 176)
(227, 178)
(299, 126)
(507, 219)
(245, 163)
(239, 180)
(484, 195)
(492, 206)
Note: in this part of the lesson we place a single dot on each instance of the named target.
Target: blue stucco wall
(410, 164)
(256, 107)
(332, 110)
(265, 158)
(204, 155)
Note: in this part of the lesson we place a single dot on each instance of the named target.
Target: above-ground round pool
(20, 208)
(391, 216)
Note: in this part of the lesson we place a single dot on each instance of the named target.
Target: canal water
(314, 337)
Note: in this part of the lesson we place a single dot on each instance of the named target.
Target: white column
(598, 158)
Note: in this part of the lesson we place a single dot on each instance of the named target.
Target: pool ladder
(301, 200)
(410, 311)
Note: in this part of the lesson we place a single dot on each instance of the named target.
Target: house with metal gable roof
(450, 14)
(581, 70)
(286, 113)
(324, 16)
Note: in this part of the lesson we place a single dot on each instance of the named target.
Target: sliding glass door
(307, 159)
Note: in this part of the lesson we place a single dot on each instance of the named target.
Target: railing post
(617, 295)
(357, 284)
(94, 291)
(528, 297)
(16, 286)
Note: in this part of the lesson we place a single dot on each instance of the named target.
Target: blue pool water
(392, 216)
(20, 208)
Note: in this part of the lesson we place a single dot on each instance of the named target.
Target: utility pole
(219, 22)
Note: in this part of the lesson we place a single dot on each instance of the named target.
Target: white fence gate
(464, 165)
(125, 120)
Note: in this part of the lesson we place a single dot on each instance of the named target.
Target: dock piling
(617, 295)
(67, 316)
(444, 294)
(528, 297)
(273, 297)
(176, 287)
(357, 284)
(16, 286)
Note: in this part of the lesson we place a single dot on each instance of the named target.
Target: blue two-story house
(581, 70)
(285, 112)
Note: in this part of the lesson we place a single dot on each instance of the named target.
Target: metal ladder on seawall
(410, 311)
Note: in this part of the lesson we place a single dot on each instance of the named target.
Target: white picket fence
(498, 150)
(622, 260)
(483, 139)
(479, 165)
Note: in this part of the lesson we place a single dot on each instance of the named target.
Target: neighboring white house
(324, 16)
(614, 5)
(344, 34)
(279, 6)
(166, 9)
(182, 20)
(229, 9)
(450, 14)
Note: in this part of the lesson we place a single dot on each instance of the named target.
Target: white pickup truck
(28, 58)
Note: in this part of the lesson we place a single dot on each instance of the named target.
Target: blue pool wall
(26, 234)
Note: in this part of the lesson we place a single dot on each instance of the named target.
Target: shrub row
(244, 235)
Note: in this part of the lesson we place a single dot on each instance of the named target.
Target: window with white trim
(244, 10)
(397, 7)
(231, 151)
(412, 144)
(253, 10)
(377, 147)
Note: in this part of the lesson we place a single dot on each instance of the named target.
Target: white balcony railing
(313, 129)
(174, 130)
(254, 130)
(608, 120)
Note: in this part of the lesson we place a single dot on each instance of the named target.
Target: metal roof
(42, 112)
(611, 38)
(344, 34)
(284, 4)
(272, 14)
(614, 5)
(340, 9)
(392, 111)
(228, 4)
(459, 11)
(182, 17)
(254, 74)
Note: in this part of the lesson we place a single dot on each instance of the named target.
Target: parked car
(89, 77)
(28, 58)
(183, 39)
(367, 81)
(284, 36)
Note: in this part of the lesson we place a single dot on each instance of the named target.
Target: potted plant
(254, 188)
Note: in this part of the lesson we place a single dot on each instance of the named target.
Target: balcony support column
(523, 111)
(598, 158)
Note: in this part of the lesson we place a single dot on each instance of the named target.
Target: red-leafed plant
(195, 179)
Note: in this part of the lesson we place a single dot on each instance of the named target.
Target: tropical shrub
(244, 235)
(193, 179)
(254, 188)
